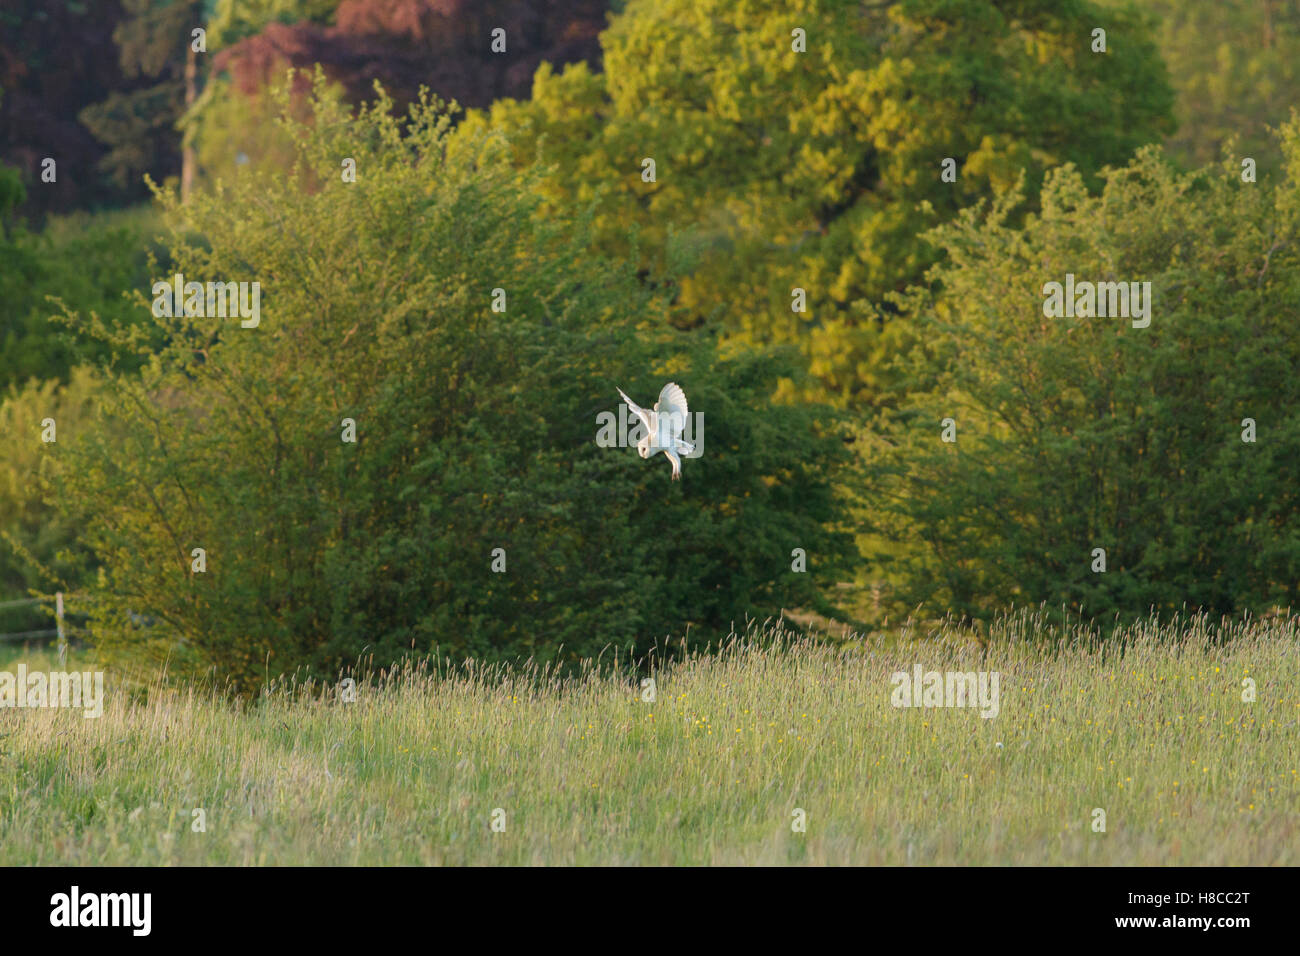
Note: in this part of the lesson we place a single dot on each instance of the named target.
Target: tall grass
(1149, 726)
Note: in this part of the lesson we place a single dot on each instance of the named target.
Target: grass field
(1156, 735)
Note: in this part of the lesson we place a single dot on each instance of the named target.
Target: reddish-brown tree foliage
(445, 45)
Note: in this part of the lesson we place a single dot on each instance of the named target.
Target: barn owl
(664, 426)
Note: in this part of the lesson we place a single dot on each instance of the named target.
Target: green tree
(1082, 433)
(475, 431)
(39, 542)
(820, 169)
(1236, 67)
(87, 263)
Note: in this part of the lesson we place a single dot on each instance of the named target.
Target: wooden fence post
(58, 618)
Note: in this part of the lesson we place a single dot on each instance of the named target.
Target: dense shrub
(1082, 433)
(39, 541)
(475, 431)
(84, 262)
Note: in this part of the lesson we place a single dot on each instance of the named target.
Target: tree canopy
(800, 145)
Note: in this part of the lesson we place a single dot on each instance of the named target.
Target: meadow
(1149, 726)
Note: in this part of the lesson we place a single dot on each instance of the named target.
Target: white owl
(664, 426)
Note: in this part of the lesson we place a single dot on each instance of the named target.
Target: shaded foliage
(1084, 433)
(56, 58)
(476, 431)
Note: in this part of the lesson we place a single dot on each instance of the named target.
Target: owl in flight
(664, 426)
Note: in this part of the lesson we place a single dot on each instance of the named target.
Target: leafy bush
(475, 431)
(1083, 433)
(86, 262)
(39, 542)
